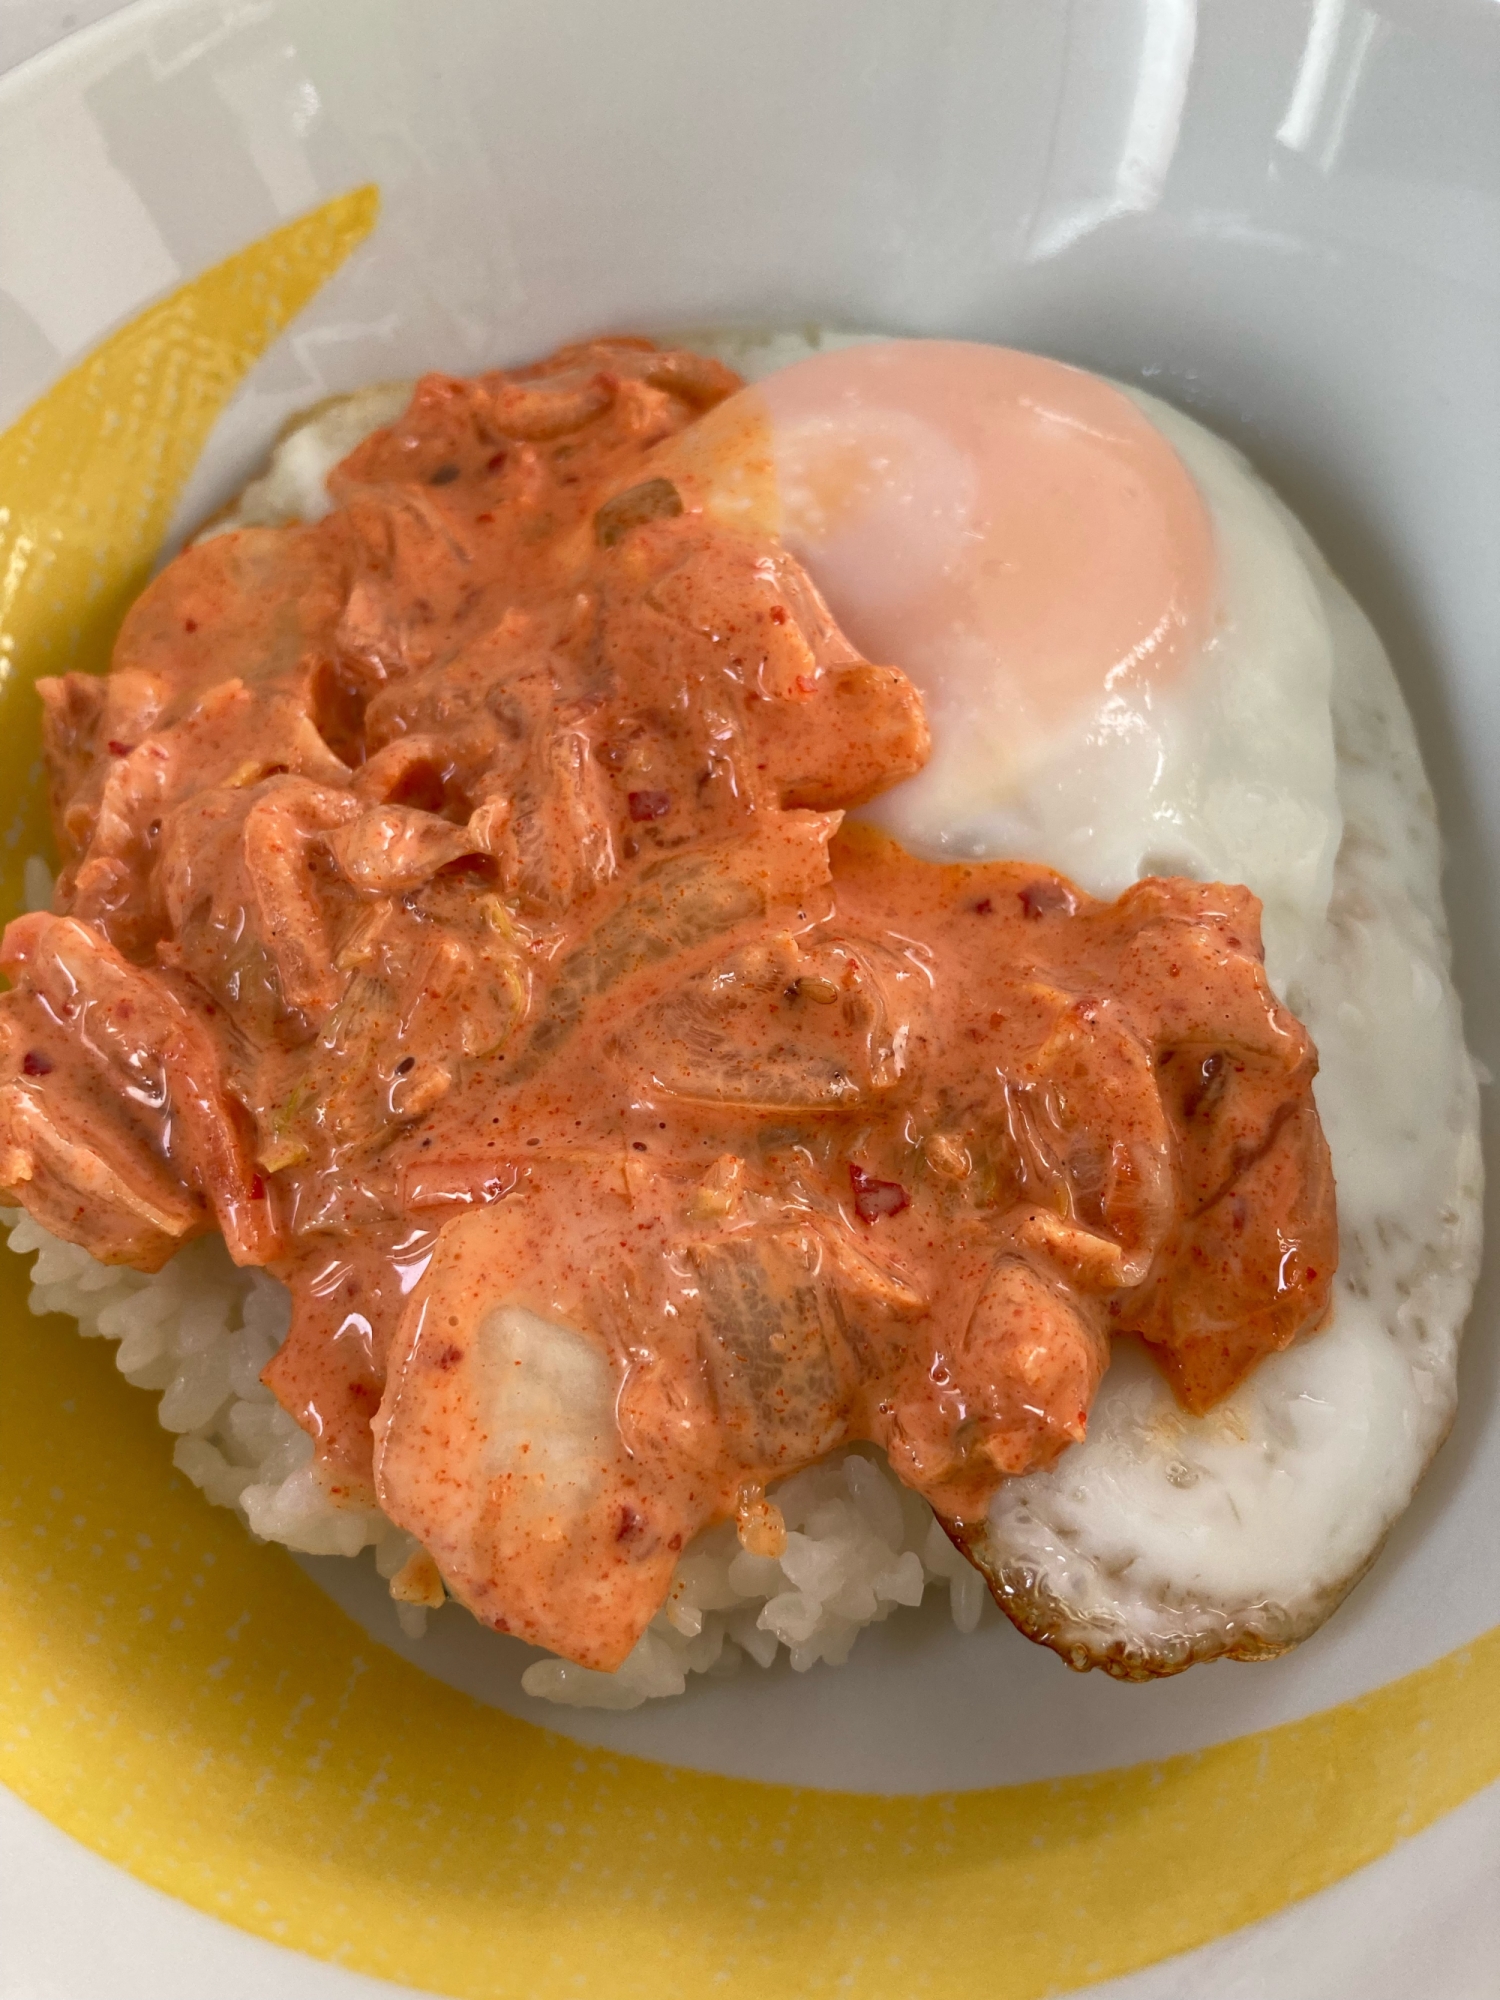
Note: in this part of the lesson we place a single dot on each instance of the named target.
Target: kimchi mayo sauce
(457, 914)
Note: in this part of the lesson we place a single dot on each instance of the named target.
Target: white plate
(1286, 218)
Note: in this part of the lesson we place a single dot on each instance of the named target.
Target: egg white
(1283, 758)
(1164, 1537)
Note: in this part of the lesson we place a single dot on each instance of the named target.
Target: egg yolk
(1014, 533)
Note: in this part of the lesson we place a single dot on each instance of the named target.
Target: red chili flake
(189, 624)
(257, 1188)
(34, 1063)
(983, 908)
(649, 805)
(778, 614)
(631, 1524)
(118, 749)
(449, 1358)
(874, 1199)
(1045, 899)
(485, 519)
(494, 462)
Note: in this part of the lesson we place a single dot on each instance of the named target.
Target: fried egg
(1123, 657)
(1135, 662)
(1259, 737)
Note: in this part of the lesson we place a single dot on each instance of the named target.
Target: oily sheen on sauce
(456, 913)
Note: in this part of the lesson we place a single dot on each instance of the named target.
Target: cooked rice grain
(198, 1334)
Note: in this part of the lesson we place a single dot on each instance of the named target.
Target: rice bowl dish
(1101, 1556)
(1274, 228)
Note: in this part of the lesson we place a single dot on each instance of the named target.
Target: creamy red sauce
(456, 913)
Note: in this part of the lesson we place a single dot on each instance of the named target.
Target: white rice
(199, 1332)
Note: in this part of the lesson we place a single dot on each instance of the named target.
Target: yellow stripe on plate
(187, 1703)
